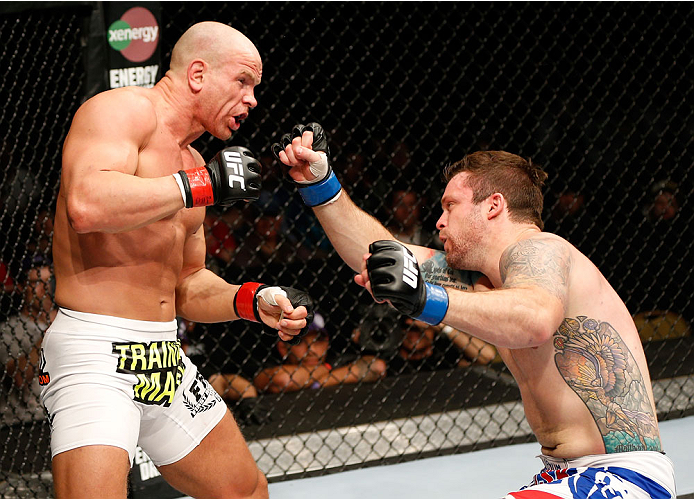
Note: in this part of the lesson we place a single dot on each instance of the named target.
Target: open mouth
(235, 121)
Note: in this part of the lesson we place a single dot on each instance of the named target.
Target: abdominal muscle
(131, 274)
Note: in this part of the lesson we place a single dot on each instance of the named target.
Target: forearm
(511, 318)
(110, 201)
(350, 229)
(205, 297)
(367, 369)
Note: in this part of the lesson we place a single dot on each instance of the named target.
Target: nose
(441, 222)
(250, 100)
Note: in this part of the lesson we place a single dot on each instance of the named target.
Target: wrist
(179, 183)
(196, 186)
(245, 302)
(435, 306)
(323, 192)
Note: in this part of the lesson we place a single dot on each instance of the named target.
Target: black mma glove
(232, 175)
(325, 188)
(246, 303)
(394, 275)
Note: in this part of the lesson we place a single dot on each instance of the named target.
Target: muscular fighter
(129, 254)
(564, 333)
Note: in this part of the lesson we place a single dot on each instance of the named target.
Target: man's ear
(196, 72)
(496, 203)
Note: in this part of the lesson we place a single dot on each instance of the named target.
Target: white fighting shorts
(122, 382)
(627, 475)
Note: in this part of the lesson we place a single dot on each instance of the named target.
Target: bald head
(212, 42)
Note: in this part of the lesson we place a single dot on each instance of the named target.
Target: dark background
(600, 94)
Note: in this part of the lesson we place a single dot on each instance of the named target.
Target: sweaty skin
(126, 273)
(123, 246)
(593, 394)
(562, 330)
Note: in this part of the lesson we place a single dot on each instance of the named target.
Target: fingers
(298, 152)
(301, 136)
(362, 279)
(289, 321)
(307, 139)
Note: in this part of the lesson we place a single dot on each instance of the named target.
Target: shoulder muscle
(540, 262)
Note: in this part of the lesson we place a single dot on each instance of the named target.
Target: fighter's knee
(252, 487)
(255, 488)
(262, 487)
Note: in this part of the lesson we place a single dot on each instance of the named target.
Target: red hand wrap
(200, 186)
(244, 301)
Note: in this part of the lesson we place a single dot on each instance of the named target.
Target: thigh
(87, 401)
(222, 466)
(170, 432)
(91, 471)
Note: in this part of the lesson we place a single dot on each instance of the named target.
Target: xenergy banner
(133, 37)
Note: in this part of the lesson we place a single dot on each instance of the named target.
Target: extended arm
(349, 228)
(524, 312)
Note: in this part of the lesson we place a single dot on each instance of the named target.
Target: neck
(176, 111)
(499, 243)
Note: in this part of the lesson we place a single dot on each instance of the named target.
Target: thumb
(284, 303)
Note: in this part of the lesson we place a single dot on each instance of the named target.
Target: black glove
(246, 304)
(394, 275)
(324, 188)
(232, 175)
(298, 298)
(320, 143)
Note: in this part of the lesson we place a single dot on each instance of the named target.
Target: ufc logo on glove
(233, 161)
(409, 269)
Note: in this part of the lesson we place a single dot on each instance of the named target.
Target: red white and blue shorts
(122, 382)
(628, 475)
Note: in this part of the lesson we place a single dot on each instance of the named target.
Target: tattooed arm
(528, 308)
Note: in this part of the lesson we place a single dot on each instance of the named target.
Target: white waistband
(121, 322)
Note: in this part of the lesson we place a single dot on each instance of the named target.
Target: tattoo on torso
(596, 363)
(436, 271)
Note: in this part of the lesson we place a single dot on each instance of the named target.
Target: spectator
(21, 345)
(663, 204)
(40, 242)
(405, 220)
(569, 218)
(311, 364)
(231, 387)
(414, 346)
(219, 240)
(654, 270)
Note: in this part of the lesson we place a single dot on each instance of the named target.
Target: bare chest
(162, 155)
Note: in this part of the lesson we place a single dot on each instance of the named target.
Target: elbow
(81, 217)
(544, 326)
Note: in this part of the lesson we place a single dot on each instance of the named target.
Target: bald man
(129, 253)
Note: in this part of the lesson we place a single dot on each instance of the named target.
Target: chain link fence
(600, 94)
